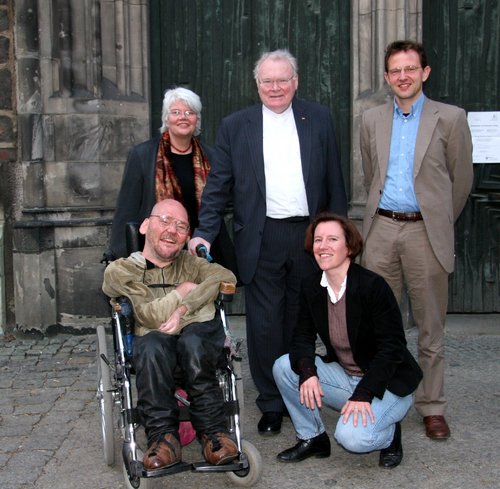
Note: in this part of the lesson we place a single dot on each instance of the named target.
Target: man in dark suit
(278, 162)
(417, 162)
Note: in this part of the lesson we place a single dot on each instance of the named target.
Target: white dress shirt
(331, 293)
(285, 189)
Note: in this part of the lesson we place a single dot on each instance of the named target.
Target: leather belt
(294, 219)
(400, 216)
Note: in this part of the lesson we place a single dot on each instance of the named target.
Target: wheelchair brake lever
(105, 359)
(111, 366)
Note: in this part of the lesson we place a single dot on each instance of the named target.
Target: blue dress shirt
(399, 192)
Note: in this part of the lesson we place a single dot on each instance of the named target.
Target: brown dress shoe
(436, 427)
(218, 448)
(164, 452)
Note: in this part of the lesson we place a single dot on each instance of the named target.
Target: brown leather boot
(218, 448)
(164, 452)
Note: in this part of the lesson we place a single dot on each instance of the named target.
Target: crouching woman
(367, 374)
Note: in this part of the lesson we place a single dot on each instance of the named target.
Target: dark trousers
(197, 350)
(272, 303)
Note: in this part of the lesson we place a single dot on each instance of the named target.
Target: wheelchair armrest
(123, 307)
(226, 291)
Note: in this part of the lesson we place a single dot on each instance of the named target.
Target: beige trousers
(402, 254)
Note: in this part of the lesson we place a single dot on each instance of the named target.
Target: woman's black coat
(374, 328)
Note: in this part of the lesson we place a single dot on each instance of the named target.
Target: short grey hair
(188, 97)
(278, 55)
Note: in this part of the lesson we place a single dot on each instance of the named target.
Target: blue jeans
(338, 387)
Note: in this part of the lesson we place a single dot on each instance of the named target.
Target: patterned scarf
(166, 184)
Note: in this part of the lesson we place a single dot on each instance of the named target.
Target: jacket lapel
(383, 131)
(254, 134)
(428, 121)
(319, 306)
(353, 305)
(303, 126)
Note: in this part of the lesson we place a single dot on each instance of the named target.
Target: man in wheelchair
(176, 325)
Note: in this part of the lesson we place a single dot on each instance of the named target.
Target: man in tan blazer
(417, 162)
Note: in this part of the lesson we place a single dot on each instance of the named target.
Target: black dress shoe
(270, 423)
(391, 456)
(319, 447)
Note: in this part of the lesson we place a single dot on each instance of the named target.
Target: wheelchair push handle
(202, 252)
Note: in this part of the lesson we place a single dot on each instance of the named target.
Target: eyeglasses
(180, 226)
(186, 113)
(281, 82)
(409, 70)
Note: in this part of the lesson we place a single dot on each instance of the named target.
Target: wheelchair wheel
(250, 476)
(105, 398)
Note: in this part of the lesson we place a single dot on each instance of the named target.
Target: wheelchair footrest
(174, 469)
(241, 464)
(238, 464)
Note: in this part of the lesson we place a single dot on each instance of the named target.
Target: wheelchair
(115, 401)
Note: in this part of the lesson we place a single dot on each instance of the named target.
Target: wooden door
(210, 47)
(462, 40)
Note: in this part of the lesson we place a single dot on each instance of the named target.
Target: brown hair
(398, 46)
(353, 239)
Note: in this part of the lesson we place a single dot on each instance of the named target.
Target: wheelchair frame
(114, 388)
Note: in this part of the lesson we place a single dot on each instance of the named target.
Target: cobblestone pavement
(50, 431)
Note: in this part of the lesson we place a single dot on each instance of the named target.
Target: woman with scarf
(174, 165)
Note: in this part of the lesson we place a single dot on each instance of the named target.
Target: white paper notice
(485, 130)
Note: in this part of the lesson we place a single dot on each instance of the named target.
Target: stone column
(83, 84)
(8, 156)
(374, 24)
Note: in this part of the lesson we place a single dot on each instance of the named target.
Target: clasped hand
(173, 323)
